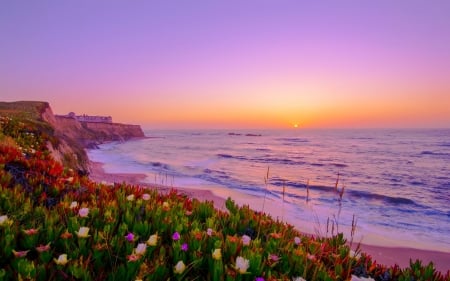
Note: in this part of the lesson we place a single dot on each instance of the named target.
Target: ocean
(394, 183)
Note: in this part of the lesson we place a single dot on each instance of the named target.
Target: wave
(295, 140)
(353, 194)
(264, 160)
(427, 152)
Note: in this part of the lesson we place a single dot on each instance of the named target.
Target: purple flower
(184, 247)
(176, 236)
(130, 237)
(259, 279)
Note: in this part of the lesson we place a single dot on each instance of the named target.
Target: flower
(259, 279)
(133, 257)
(176, 236)
(83, 212)
(298, 279)
(242, 264)
(130, 197)
(43, 248)
(83, 232)
(217, 254)
(31, 231)
(66, 235)
(74, 204)
(153, 240)
(209, 231)
(145, 196)
(297, 240)
(179, 267)
(184, 247)
(62, 259)
(276, 235)
(165, 206)
(246, 240)
(273, 257)
(20, 254)
(310, 257)
(129, 237)
(140, 249)
(4, 220)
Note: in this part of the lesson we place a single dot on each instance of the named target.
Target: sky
(233, 63)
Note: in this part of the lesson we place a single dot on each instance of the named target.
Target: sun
(295, 125)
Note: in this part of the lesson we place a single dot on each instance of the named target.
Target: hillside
(69, 138)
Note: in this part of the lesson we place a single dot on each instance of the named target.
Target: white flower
(355, 278)
(165, 205)
(355, 255)
(217, 254)
(83, 232)
(130, 197)
(74, 204)
(83, 212)
(62, 259)
(297, 240)
(209, 231)
(140, 249)
(4, 220)
(246, 240)
(179, 267)
(242, 264)
(145, 196)
(298, 279)
(153, 240)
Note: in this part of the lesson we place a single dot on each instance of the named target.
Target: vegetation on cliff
(56, 224)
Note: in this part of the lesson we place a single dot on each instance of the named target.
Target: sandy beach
(380, 253)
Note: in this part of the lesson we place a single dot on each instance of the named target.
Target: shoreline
(382, 254)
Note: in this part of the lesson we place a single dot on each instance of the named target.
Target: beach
(383, 252)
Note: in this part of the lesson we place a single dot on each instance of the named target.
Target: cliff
(71, 136)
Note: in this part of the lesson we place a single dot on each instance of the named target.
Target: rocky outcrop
(70, 136)
(76, 136)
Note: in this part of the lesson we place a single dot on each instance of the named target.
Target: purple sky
(232, 63)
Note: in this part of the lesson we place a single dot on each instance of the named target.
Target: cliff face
(73, 136)
(77, 136)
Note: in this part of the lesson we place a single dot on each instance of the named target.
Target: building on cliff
(89, 118)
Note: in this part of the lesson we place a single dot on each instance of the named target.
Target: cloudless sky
(233, 63)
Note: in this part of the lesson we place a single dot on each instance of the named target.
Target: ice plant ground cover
(57, 225)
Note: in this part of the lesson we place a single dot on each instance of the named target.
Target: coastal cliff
(71, 136)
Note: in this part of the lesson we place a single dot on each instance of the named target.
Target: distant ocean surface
(397, 182)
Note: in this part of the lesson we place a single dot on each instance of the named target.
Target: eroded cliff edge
(71, 136)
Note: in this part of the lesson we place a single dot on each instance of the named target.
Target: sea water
(394, 183)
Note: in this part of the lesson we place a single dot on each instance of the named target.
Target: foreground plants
(56, 225)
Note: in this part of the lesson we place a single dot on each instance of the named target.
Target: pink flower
(20, 254)
(176, 236)
(274, 258)
(31, 231)
(184, 247)
(246, 240)
(209, 231)
(43, 248)
(83, 212)
(129, 237)
(145, 196)
(297, 240)
(133, 257)
(311, 257)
